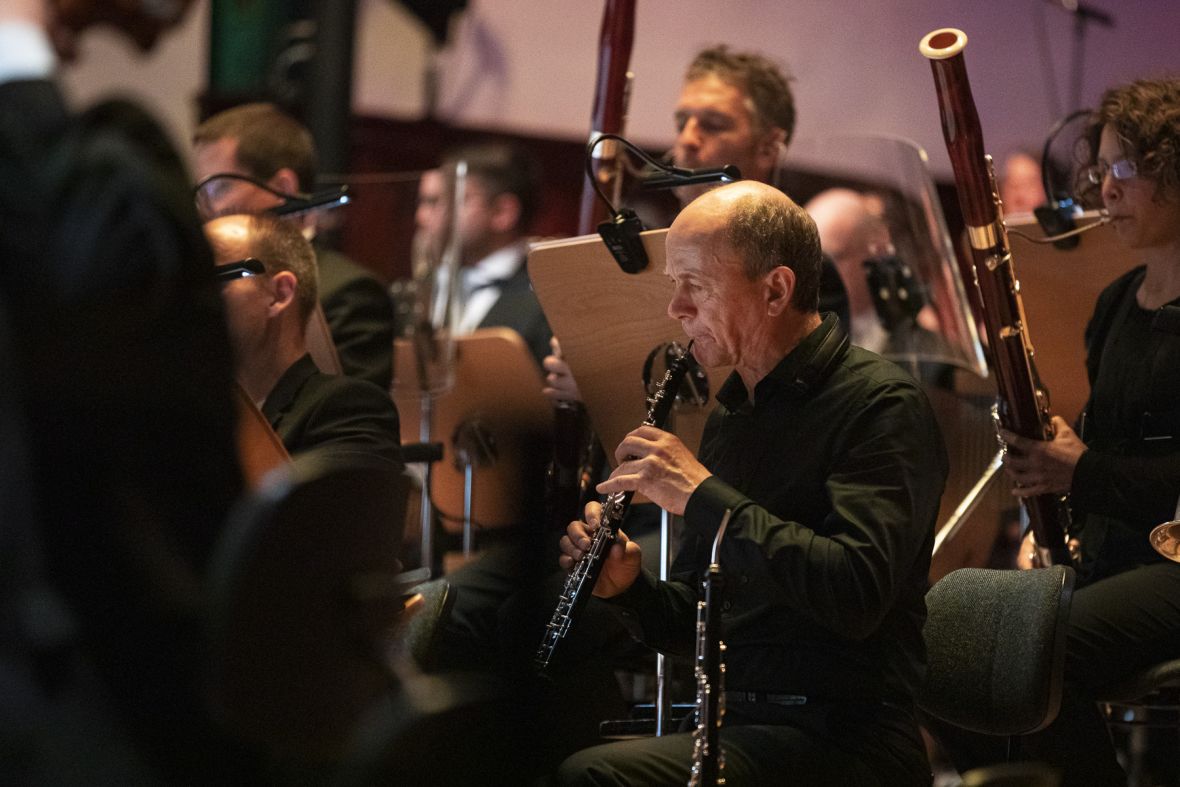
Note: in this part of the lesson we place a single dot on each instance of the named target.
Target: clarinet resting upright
(582, 578)
(708, 759)
(1022, 406)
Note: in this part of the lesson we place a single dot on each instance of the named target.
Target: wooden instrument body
(1023, 402)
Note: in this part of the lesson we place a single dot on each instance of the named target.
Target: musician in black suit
(262, 142)
(502, 194)
(268, 277)
(120, 364)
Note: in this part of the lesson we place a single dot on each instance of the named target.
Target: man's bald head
(848, 228)
(763, 227)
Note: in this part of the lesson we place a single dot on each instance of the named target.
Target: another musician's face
(1142, 217)
(715, 126)
(1021, 188)
(718, 307)
(430, 216)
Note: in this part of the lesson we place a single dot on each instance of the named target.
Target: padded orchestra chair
(995, 644)
(1149, 699)
(421, 632)
(304, 603)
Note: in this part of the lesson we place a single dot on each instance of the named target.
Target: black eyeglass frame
(240, 269)
(292, 204)
(246, 179)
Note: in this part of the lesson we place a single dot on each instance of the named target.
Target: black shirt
(1128, 480)
(834, 475)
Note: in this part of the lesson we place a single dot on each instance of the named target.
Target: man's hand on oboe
(621, 564)
(657, 465)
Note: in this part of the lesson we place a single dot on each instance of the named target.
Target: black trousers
(1118, 626)
(825, 744)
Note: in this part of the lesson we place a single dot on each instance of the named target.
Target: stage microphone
(1056, 216)
(673, 177)
(320, 200)
(620, 233)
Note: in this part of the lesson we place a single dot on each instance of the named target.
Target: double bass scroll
(1022, 404)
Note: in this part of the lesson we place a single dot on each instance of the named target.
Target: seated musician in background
(501, 199)
(832, 465)
(1021, 186)
(260, 141)
(735, 108)
(1123, 471)
(849, 234)
(267, 271)
(888, 310)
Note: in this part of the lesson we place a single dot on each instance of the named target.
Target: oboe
(580, 582)
(708, 759)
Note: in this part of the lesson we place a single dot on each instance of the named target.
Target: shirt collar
(788, 376)
(25, 52)
(285, 390)
(499, 265)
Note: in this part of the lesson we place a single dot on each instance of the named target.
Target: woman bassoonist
(1023, 402)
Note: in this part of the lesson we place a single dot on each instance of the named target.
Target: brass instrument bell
(1165, 539)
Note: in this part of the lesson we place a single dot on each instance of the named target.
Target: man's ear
(285, 180)
(780, 289)
(284, 286)
(505, 213)
(769, 147)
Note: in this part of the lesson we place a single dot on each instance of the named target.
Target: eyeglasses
(227, 193)
(1121, 170)
(241, 269)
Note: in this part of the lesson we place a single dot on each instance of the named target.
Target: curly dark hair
(1146, 116)
(758, 77)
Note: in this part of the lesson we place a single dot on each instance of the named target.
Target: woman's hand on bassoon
(1042, 467)
(622, 563)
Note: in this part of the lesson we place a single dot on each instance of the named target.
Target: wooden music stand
(609, 322)
(320, 345)
(1060, 289)
(259, 449)
(497, 386)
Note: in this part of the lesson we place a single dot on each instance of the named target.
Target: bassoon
(578, 457)
(1022, 405)
(610, 109)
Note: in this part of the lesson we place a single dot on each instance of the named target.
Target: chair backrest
(421, 632)
(320, 345)
(995, 643)
(299, 635)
